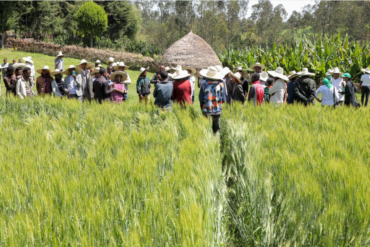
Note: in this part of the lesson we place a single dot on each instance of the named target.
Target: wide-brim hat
(264, 76)
(95, 70)
(305, 72)
(278, 73)
(225, 71)
(57, 72)
(257, 65)
(110, 60)
(346, 75)
(180, 74)
(211, 73)
(193, 70)
(293, 74)
(367, 70)
(329, 72)
(28, 59)
(60, 54)
(120, 64)
(167, 69)
(66, 72)
(97, 61)
(122, 73)
(337, 71)
(237, 76)
(219, 68)
(45, 68)
(242, 70)
(88, 65)
(19, 65)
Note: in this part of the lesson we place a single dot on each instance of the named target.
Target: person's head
(346, 77)
(26, 72)
(83, 66)
(18, 71)
(336, 75)
(19, 60)
(118, 78)
(45, 72)
(189, 71)
(269, 81)
(121, 68)
(5, 60)
(110, 69)
(294, 79)
(103, 72)
(14, 61)
(58, 76)
(71, 70)
(257, 69)
(161, 68)
(10, 70)
(255, 77)
(163, 75)
(144, 73)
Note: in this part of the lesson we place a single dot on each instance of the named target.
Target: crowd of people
(218, 85)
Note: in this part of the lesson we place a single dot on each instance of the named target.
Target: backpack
(213, 92)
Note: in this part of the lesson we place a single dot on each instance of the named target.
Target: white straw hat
(120, 64)
(193, 70)
(28, 59)
(237, 76)
(19, 65)
(88, 65)
(257, 65)
(225, 71)
(60, 54)
(279, 73)
(264, 76)
(367, 70)
(142, 69)
(337, 71)
(293, 74)
(219, 68)
(180, 74)
(66, 72)
(45, 68)
(110, 60)
(211, 73)
(122, 73)
(305, 72)
(242, 70)
(57, 72)
(97, 61)
(330, 72)
(96, 70)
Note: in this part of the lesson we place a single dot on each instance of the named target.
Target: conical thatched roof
(193, 51)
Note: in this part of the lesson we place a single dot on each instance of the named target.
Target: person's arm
(138, 87)
(285, 95)
(55, 89)
(173, 93)
(154, 80)
(318, 91)
(150, 86)
(17, 89)
(155, 91)
(7, 82)
(128, 80)
(312, 91)
(201, 97)
(106, 88)
(298, 94)
(38, 86)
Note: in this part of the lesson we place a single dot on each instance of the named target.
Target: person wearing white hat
(365, 86)
(59, 62)
(30, 64)
(192, 71)
(237, 93)
(87, 85)
(101, 88)
(305, 88)
(182, 88)
(257, 67)
(121, 66)
(155, 78)
(25, 84)
(279, 88)
(143, 86)
(110, 61)
(73, 84)
(212, 95)
(245, 82)
(97, 63)
(58, 85)
(43, 82)
(293, 75)
(338, 83)
(18, 67)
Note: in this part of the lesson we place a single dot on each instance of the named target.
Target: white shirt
(337, 83)
(327, 95)
(70, 81)
(279, 89)
(365, 78)
(192, 81)
(32, 67)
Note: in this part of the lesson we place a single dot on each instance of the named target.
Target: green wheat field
(75, 174)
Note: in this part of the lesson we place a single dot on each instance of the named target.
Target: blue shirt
(162, 93)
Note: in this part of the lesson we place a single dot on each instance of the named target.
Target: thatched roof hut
(191, 50)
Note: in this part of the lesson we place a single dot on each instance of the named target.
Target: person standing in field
(15, 61)
(109, 72)
(163, 91)
(119, 87)
(182, 88)
(10, 81)
(192, 72)
(339, 84)
(245, 82)
(97, 63)
(19, 70)
(257, 68)
(30, 64)
(349, 91)
(290, 90)
(155, 78)
(122, 67)
(212, 95)
(266, 95)
(58, 84)
(143, 86)
(110, 61)
(4, 67)
(305, 88)
(73, 84)
(329, 94)
(101, 88)
(365, 86)
(59, 62)
(237, 93)
(256, 91)
(278, 90)
(25, 84)
(87, 86)
(43, 82)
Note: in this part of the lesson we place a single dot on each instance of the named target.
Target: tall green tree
(6, 11)
(92, 20)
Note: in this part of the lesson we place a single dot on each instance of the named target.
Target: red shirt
(182, 91)
(256, 93)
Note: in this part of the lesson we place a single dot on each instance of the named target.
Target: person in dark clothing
(10, 81)
(349, 91)
(238, 91)
(305, 88)
(163, 91)
(290, 90)
(244, 81)
(155, 78)
(101, 87)
(143, 87)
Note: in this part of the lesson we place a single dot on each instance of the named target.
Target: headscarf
(327, 83)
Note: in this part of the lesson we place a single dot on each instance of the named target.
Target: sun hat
(98, 61)
(330, 72)
(237, 76)
(120, 64)
(95, 70)
(28, 59)
(19, 65)
(347, 75)
(66, 72)
(211, 73)
(57, 72)
(293, 74)
(241, 69)
(122, 73)
(180, 74)
(305, 72)
(60, 54)
(257, 65)
(367, 70)
(225, 71)
(279, 73)
(264, 76)
(88, 65)
(114, 65)
(337, 71)
(167, 69)
(45, 68)
(193, 71)
(142, 69)
(110, 60)
(219, 68)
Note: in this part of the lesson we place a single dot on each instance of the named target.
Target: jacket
(211, 97)
(143, 86)
(77, 84)
(21, 87)
(40, 84)
(350, 94)
(238, 93)
(304, 90)
(87, 85)
(101, 89)
(56, 90)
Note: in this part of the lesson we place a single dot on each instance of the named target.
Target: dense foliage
(319, 56)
